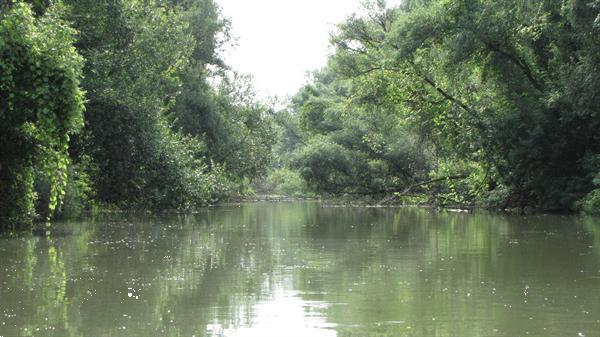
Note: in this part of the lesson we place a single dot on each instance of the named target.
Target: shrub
(286, 182)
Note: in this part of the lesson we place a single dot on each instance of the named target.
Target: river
(304, 269)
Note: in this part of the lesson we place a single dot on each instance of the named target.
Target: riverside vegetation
(128, 104)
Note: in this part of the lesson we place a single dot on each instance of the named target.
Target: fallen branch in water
(408, 191)
(409, 188)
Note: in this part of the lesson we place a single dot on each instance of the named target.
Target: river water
(304, 269)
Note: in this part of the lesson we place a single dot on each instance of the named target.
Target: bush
(464, 182)
(177, 178)
(285, 182)
(79, 193)
(324, 165)
(590, 204)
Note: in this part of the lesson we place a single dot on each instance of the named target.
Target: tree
(489, 82)
(41, 106)
(501, 96)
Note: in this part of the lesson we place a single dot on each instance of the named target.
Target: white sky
(279, 41)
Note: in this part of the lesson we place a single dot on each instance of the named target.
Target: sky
(279, 41)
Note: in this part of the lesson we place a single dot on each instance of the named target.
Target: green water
(301, 269)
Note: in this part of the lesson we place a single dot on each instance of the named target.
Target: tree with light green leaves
(502, 96)
(41, 107)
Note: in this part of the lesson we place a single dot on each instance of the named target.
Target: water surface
(302, 269)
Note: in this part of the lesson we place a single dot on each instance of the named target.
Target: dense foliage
(41, 106)
(167, 124)
(128, 104)
(468, 101)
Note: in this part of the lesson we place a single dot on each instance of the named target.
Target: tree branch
(446, 95)
(456, 177)
(406, 192)
(516, 61)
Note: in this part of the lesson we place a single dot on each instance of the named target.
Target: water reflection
(305, 270)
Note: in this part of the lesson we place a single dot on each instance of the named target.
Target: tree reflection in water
(301, 269)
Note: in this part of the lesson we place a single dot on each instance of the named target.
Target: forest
(129, 105)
